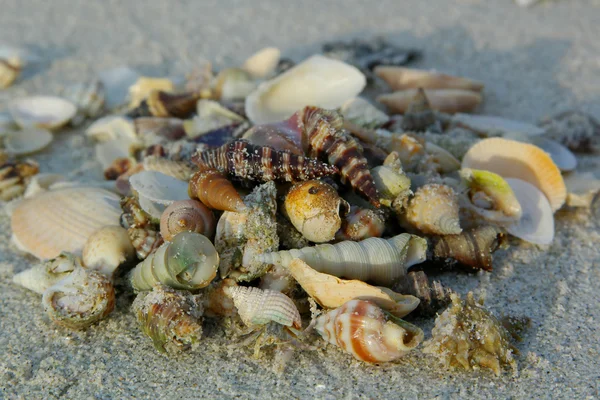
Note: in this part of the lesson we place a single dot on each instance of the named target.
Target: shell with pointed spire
(419, 116)
(434, 210)
(215, 191)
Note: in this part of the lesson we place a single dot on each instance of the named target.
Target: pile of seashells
(270, 191)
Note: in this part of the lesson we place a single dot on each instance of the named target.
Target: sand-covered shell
(493, 126)
(318, 81)
(140, 90)
(362, 329)
(258, 307)
(215, 191)
(10, 69)
(512, 159)
(188, 262)
(15, 176)
(381, 261)
(106, 249)
(163, 104)
(434, 210)
(491, 196)
(360, 224)
(233, 84)
(88, 97)
(314, 207)
(63, 219)
(467, 335)
(323, 137)
(171, 318)
(116, 82)
(332, 292)
(536, 224)
(187, 216)
(156, 191)
(263, 63)
(390, 182)
(400, 78)
(41, 276)
(85, 296)
(45, 112)
(472, 247)
(244, 160)
(582, 188)
(445, 100)
(579, 131)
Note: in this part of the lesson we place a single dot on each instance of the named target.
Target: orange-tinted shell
(400, 78)
(214, 190)
(446, 100)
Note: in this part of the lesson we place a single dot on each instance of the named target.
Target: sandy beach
(534, 62)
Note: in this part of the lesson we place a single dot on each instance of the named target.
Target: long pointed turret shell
(379, 260)
(215, 191)
(400, 78)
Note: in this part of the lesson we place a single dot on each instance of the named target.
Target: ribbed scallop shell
(184, 216)
(361, 328)
(445, 100)
(400, 78)
(244, 160)
(213, 189)
(323, 137)
(79, 300)
(379, 260)
(63, 219)
(434, 210)
(189, 262)
(177, 169)
(512, 159)
(258, 307)
(360, 224)
(163, 104)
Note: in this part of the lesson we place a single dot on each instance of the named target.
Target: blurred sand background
(533, 61)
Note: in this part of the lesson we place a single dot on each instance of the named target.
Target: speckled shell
(106, 249)
(80, 299)
(259, 307)
(445, 100)
(244, 160)
(163, 104)
(187, 215)
(361, 328)
(214, 190)
(434, 210)
(400, 78)
(14, 177)
(360, 224)
(379, 260)
(313, 207)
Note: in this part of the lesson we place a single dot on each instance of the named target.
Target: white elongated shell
(379, 260)
(46, 112)
(332, 292)
(106, 249)
(62, 220)
(111, 127)
(116, 82)
(537, 221)
(512, 159)
(88, 97)
(259, 307)
(140, 90)
(157, 191)
(360, 328)
(27, 141)
(489, 126)
(262, 63)
(318, 81)
(400, 78)
(41, 276)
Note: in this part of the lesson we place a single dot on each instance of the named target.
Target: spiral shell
(171, 318)
(41, 276)
(323, 137)
(258, 307)
(163, 104)
(80, 299)
(184, 216)
(362, 329)
(144, 240)
(360, 224)
(434, 210)
(379, 260)
(244, 160)
(215, 191)
(106, 249)
(189, 262)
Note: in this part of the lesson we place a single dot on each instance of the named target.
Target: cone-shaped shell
(434, 210)
(512, 159)
(400, 78)
(537, 222)
(216, 191)
(445, 100)
(63, 219)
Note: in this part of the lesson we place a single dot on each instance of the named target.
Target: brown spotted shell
(187, 215)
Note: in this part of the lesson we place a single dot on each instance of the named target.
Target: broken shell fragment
(116, 82)
(106, 249)
(41, 183)
(111, 127)
(188, 262)
(512, 159)
(581, 187)
(362, 113)
(187, 216)
(154, 130)
(365, 331)
(262, 63)
(140, 90)
(88, 97)
(45, 112)
(332, 292)
(400, 78)
(212, 116)
(318, 81)
(157, 191)
(492, 126)
(160, 103)
(41, 276)
(10, 69)
(445, 100)
(82, 298)
(434, 210)
(27, 141)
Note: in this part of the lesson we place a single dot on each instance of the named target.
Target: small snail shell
(144, 241)
(187, 215)
(360, 224)
(362, 329)
(106, 249)
(79, 300)
(434, 210)
(40, 277)
(214, 190)
(313, 207)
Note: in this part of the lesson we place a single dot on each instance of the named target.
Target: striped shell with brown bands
(163, 104)
(216, 191)
(242, 159)
(323, 136)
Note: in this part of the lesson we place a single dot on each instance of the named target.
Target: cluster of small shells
(250, 193)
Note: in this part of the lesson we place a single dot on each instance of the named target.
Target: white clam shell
(63, 219)
(116, 82)
(157, 191)
(262, 63)
(489, 125)
(27, 141)
(537, 221)
(111, 127)
(318, 81)
(47, 112)
(108, 152)
(88, 97)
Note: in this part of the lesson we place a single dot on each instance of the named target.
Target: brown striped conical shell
(187, 215)
(216, 191)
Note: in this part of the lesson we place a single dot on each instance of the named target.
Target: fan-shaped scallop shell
(363, 330)
(187, 215)
(63, 219)
(512, 159)
(400, 78)
(215, 191)
(434, 210)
